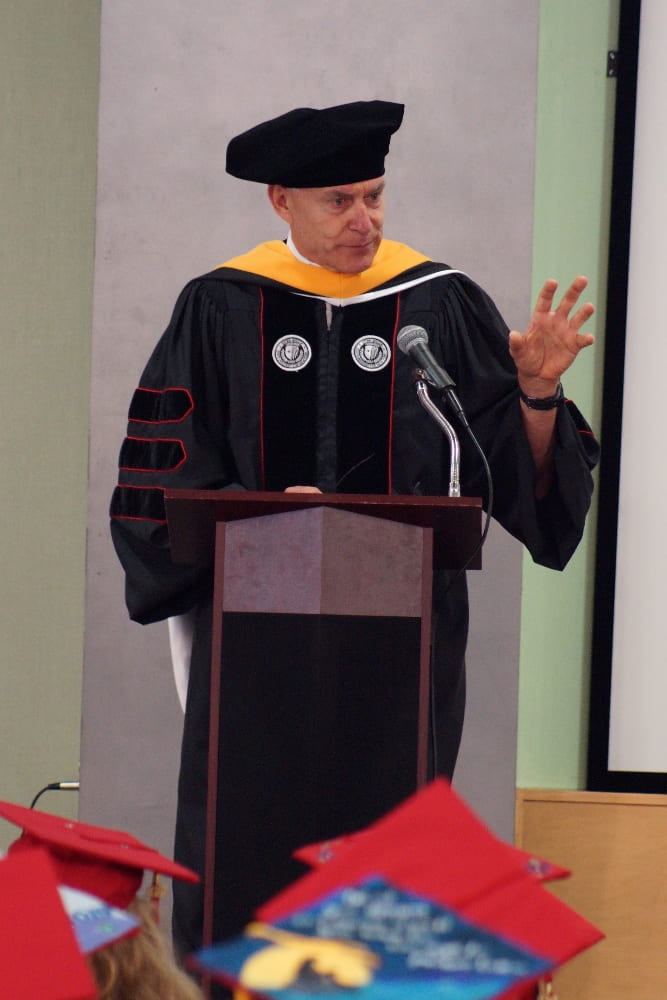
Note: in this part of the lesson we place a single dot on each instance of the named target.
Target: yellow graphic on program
(289, 956)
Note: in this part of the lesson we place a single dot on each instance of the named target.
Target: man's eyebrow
(339, 193)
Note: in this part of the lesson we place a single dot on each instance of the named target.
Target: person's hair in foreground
(141, 967)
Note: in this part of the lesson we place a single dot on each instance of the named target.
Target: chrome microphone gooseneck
(421, 383)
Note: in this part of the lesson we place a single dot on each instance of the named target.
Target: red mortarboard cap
(324, 851)
(39, 955)
(107, 863)
(433, 844)
(310, 147)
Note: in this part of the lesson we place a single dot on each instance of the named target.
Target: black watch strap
(544, 402)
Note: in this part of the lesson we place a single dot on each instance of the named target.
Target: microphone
(413, 341)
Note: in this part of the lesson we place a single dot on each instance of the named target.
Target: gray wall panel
(176, 82)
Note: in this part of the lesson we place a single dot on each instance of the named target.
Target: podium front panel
(318, 738)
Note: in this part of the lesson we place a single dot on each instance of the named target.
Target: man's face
(339, 228)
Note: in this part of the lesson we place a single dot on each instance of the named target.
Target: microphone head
(409, 336)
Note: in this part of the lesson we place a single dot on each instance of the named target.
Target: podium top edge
(268, 498)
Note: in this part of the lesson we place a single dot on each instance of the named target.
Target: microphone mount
(421, 381)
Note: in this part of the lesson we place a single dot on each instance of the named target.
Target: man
(280, 371)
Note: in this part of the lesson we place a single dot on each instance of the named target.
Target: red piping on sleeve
(173, 468)
(161, 392)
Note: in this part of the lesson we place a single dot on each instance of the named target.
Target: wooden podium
(320, 669)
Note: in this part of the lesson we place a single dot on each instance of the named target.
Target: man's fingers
(546, 296)
(571, 296)
(582, 315)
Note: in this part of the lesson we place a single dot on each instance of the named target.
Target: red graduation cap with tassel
(105, 862)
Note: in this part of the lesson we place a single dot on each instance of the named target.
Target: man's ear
(279, 200)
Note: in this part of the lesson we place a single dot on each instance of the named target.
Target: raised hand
(552, 338)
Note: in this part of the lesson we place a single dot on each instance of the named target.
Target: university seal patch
(291, 353)
(371, 353)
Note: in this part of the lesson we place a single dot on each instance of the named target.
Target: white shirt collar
(299, 256)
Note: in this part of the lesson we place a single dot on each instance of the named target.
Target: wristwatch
(544, 402)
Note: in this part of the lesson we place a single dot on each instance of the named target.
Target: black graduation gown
(255, 385)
